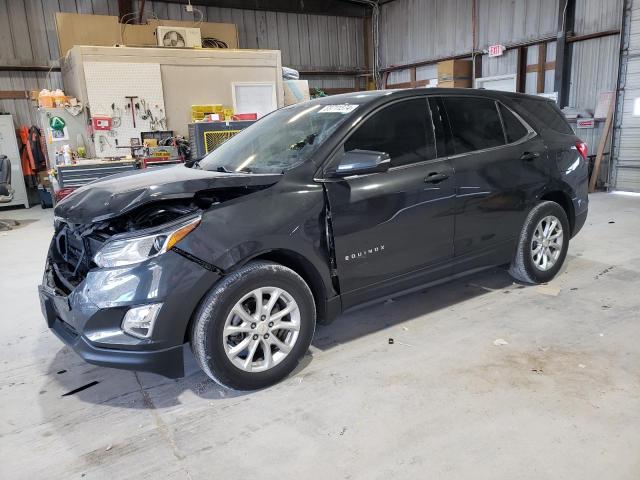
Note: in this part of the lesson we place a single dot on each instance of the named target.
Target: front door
(389, 227)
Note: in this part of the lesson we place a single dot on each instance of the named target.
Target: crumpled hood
(118, 194)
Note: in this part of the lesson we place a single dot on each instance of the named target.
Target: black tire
(523, 267)
(207, 327)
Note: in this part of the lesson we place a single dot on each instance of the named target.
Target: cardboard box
(104, 30)
(296, 91)
(455, 74)
(77, 29)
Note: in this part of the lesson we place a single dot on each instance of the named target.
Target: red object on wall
(245, 116)
(101, 123)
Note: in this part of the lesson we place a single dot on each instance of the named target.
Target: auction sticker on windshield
(342, 108)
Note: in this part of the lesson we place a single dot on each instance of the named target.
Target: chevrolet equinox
(314, 209)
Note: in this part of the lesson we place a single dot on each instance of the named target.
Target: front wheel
(254, 326)
(543, 244)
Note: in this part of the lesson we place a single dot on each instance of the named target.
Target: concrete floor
(560, 400)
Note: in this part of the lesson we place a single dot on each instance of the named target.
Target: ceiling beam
(339, 8)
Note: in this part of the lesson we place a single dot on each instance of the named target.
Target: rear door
(390, 225)
(498, 161)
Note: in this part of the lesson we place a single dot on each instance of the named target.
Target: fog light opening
(139, 321)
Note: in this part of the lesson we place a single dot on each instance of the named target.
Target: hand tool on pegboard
(132, 106)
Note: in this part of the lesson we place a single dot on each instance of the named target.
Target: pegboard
(109, 83)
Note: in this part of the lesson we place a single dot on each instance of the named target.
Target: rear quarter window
(513, 128)
(546, 112)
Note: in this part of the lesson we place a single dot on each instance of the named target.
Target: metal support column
(566, 20)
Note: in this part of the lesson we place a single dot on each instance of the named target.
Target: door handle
(528, 156)
(436, 177)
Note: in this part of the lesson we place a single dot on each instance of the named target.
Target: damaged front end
(117, 293)
(143, 232)
(76, 248)
(115, 288)
(136, 204)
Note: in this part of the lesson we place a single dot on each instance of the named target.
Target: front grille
(71, 255)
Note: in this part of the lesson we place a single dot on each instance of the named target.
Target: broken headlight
(130, 250)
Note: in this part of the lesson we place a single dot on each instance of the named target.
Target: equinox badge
(364, 253)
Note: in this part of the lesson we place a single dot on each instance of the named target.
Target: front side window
(475, 123)
(402, 130)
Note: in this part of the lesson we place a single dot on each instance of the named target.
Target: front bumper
(88, 319)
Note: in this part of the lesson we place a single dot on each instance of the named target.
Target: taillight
(582, 150)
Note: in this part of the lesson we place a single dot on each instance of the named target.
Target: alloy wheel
(261, 329)
(546, 244)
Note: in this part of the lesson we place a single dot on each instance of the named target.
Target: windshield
(278, 142)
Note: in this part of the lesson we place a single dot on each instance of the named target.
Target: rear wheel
(254, 326)
(543, 244)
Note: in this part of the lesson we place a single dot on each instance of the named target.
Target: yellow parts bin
(199, 112)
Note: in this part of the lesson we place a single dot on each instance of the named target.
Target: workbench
(88, 170)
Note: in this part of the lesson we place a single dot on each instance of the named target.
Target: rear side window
(513, 127)
(402, 130)
(475, 123)
(547, 113)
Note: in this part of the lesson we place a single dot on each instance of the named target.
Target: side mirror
(360, 162)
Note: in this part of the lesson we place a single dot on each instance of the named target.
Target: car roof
(363, 97)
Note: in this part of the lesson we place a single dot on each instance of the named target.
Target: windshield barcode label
(343, 108)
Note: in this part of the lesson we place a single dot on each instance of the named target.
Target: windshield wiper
(224, 169)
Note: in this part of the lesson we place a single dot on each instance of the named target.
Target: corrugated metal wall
(510, 22)
(307, 42)
(594, 64)
(597, 15)
(594, 69)
(416, 30)
(626, 161)
(515, 21)
(28, 37)
(412, 30)
(411, 33)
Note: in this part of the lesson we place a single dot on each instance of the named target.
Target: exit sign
(496, 50)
